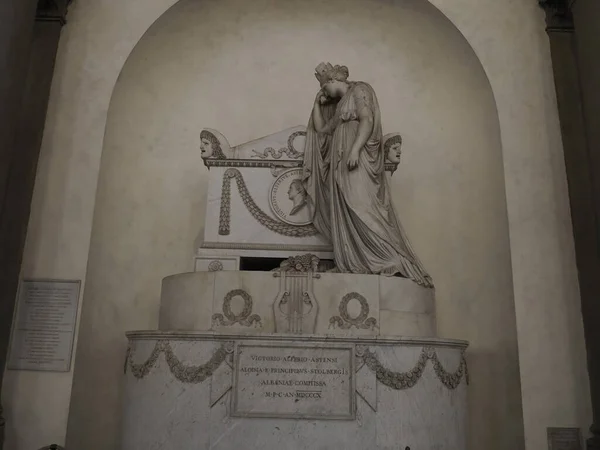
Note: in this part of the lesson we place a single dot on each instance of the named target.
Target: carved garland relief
(406, 380)
(184, 373)
(276, 226)
(395, 380)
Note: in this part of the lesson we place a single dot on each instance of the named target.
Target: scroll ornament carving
(245, 318)
(345, 321)
(406, 380)
(290, 151)
(184, 373)
(264, 219)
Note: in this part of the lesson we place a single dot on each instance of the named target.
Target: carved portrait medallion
(287, 198)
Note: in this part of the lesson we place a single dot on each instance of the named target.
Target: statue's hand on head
(321, 98)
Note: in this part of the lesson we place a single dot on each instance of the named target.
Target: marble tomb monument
(308, 320)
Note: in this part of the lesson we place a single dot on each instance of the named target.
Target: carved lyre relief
(295, 307)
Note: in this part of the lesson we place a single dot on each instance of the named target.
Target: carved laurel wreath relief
(345, 321)
(244, 318)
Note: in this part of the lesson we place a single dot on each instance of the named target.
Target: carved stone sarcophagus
(256, 204)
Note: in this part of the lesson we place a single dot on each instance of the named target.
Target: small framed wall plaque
(44, 325)
(564, 439)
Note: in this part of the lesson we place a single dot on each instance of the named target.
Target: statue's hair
(326, 72)
(392, 141)
(298, 183)
(216, 145)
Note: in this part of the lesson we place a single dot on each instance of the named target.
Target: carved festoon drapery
(390, 378)
(184, 373)
(262, 217)
(408, 379)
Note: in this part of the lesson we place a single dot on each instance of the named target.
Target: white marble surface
(244, 228)
(394, 323)
(411, 297)
(506, 94)
(190, 300)
(161, 412)
(186, 302)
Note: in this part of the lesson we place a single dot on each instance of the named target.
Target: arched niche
(246, 68)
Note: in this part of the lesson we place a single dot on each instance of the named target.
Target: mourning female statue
(348, 194)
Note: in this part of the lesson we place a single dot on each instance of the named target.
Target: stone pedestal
(250, 302)
(205, 390)
(292, 358)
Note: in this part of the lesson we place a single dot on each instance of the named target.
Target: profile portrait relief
(297, 194)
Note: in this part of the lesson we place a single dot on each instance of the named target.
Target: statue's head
(392, 147)
(331, 77)
(211, 144)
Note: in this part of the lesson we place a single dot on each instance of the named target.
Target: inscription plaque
(42, 337)
(296, 382)
(564, 439)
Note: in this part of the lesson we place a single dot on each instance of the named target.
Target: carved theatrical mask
(213, 145)
(394, 153)
(206, 148)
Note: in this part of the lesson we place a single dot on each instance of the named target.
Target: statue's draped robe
(353, 208)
